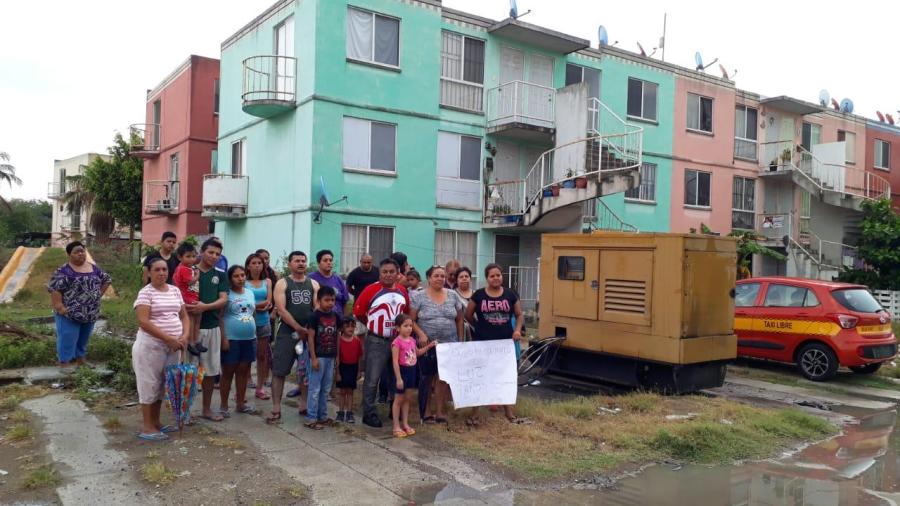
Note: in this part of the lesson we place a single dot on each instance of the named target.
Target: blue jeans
(71, 338)
(319, 388)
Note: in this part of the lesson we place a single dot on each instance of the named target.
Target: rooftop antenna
(847, 106)
(880, 116)
(323, 200)
(835, 104)
(889, 118)
(641, 48)
(725, 73)
(699, 61)
(602, 36)
(824, 97)
(662, 40)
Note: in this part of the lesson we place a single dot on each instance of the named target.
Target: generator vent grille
(626, 296)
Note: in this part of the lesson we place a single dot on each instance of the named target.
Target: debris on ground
(809, 403)
(689, 416)
(613, 411)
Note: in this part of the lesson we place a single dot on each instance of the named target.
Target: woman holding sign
(490, 311)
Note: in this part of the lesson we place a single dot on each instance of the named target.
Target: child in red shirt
(350, 352)
(187, 280)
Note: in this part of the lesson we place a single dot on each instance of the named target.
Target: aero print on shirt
(496, 312)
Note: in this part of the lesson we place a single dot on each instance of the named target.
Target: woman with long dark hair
(261, 286)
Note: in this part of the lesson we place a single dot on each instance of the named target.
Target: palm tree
(79, 200)
(7, 174)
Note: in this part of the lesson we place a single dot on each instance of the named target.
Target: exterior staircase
(607, 160)
(820, 259)
(602, 217)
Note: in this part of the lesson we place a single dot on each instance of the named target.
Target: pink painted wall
(713, 153)
(189, 127)
(889, 134)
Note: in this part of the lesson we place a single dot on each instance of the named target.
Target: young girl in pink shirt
(403, 355)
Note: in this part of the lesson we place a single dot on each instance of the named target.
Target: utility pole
(662, 41)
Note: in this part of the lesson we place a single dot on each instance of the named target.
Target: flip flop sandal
(165, 429)
(225, 413)
(273, 418)
(157, 436)
(410, 431)
(262, 395)
(314, 425)
(213, 417)
(429, 420)
(399, 434)
(248, 409)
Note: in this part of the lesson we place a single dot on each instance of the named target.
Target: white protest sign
(480, 373)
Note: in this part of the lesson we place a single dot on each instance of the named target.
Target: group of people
(227, 317)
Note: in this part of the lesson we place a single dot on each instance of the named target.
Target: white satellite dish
(824, 98)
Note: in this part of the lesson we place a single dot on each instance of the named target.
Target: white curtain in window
(693, 111)
(353, 245)
(448, 155)
(356, 143)
(512, 65)
(443, 247)
(387, 40)
(359, 34)
(466, 248)
(850, 139)
(381, 242)
(451, 55)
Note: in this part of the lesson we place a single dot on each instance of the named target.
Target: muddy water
(859, 468)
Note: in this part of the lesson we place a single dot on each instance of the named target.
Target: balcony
(522, 110)
(55, 190)
(269, 86)
(745, 149)
(225, 196)
(70, 223)
(145, 140)
(161, 197)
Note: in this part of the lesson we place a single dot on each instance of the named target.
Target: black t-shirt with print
(327, 327)
(494, 314)
(172, 262)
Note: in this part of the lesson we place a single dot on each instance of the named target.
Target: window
(882, 154)
(462, 71)
(570, 268)
(237, 158)
(850, 139)
(459, 156)
(857, 299)
(642, 99)
(357, 240)
(742, 203)
(369, 145)
(174, 178)
(577, 74)
(75, 219)
(214, 161)
(216, 96)
(372, 37)
(699, 113)
(745, 132)
(62, 181)
(450, 245)
(790, 296)
(810, 135)
(285, 68)
(696, 188)
(745, 295)
(173, 167)
(647, 189)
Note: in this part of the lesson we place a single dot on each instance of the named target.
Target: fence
(889, 300)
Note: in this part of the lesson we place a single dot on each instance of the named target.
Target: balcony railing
(745, 149)
(462, 95)
(161, 197)
(55, 190)
(525, 281)
(225, 196)
(144, 140)
(521, 103)
(269, 85)
(70, 223)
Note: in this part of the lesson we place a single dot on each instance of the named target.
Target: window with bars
(642, 99)
(462, 71)
(849, 140)
(745, 132)
(697, 188)
(577, 74)
(455, 245)
(357, 240)
(237, 158)
(882, 154)
(373, 37)
(699, 113)
(743, 198)
(646, 191)
(369, 145)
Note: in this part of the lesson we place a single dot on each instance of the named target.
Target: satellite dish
(641, 48)
(890, 118)
(880, 116)
(513, 10)
(323, 198)
(834, 103)
(602, 36)
(847, 105)
(824, 98)
(698, 60)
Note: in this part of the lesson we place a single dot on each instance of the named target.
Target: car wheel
(817, 362)
(866, 369)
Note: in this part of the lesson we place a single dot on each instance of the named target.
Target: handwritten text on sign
(480, 373)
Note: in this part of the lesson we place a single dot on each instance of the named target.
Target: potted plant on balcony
(580, 180)
(569, 183)
(786, 156)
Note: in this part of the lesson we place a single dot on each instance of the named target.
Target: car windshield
(857, 299)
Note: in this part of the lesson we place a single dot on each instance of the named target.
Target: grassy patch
(157, 473)
(18, 432)
(86, 379)
(16, 353)
(42, 477)
(20, 416)
(116, 354)
(112, 423)
(10, 403)
(581, 436)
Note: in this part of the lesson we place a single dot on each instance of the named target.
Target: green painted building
(450, 135)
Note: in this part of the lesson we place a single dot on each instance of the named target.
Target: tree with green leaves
(25, 216)
(8, 175)
(116, 184)
(79, 199)
(879, 248)
(749, 243)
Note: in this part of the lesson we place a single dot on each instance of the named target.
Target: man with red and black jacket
(377, 307)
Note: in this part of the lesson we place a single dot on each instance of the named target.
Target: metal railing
(745, 149)
(525, 281)
(605, 218)
(269, 78)
(161, 196)
(621, 138)
(71, 222)
(521, 102)
(55, 190)
(462, 95)
(774, 226)
(505, 199)
(144, 137)
(828, 255)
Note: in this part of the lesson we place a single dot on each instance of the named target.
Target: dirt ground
(20, 458)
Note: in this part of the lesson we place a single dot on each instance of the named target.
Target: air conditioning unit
(164, 204)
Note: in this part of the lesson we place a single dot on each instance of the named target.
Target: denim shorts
(239, 350)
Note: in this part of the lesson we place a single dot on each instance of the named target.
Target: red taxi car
(818, 325)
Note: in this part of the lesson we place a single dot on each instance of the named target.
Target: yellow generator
(648, 310)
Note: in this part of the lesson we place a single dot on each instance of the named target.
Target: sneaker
(294, 393)
(372, 420)
(201, 348)
(192, 349)
(340, 416)
(348, 416)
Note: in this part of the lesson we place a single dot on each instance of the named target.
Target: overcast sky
(73, 73)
